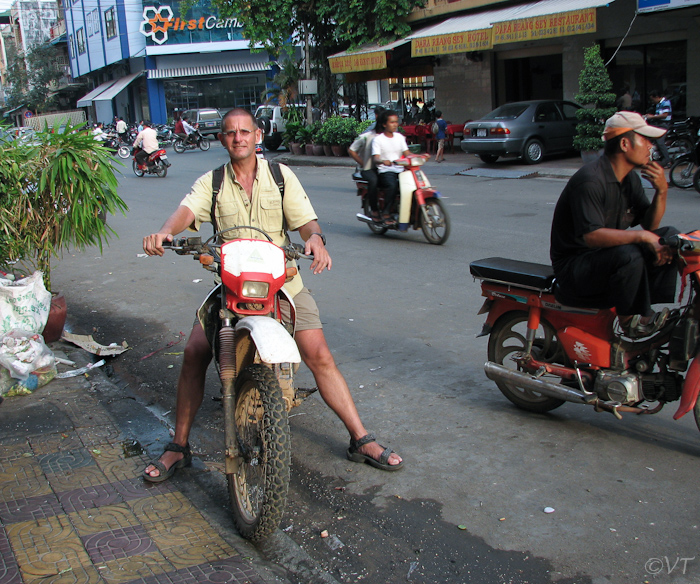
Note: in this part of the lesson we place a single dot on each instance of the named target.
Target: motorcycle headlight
(255, 289)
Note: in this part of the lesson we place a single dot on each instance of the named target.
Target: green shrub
(598, 101)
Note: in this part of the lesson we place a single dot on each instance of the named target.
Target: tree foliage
(595, 92)
(32, 76)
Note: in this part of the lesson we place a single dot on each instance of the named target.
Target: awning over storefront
(112, 92)
(527, 22)
(207, 70)
(367, 58)
(87, 99)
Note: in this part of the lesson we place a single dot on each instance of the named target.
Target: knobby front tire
(258, 490)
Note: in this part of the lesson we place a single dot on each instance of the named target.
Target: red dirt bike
(256, 358)
(542, 354)
(157, 163)
(418, 204)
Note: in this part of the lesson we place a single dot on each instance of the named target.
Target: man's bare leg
(334, 390)
(190, 392)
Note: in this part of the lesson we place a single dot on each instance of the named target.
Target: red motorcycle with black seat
(542, 353)
(157, 163)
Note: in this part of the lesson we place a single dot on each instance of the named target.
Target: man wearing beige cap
(598, 261)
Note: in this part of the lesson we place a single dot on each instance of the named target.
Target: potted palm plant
(305, 139)
(316, 139)
(598, 101)
(289, 137)
(57, 192)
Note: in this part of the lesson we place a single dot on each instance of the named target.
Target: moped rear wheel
(204, 143)
(507, 339)
(377, 228)
(161, 169)
(179, 146)
(696, 413)
(696, 180)
(435, 222)
(258, 490)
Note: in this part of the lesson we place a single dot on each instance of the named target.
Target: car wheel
(488, 158)
(533, 151)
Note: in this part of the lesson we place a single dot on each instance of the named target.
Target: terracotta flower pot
(337, 150)
(296, 148)
(319, 150)
(309, 149)
(327, 150)
(57, 319)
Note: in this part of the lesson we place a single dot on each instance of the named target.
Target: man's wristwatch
(323, 237)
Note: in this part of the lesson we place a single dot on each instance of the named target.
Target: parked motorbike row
(685, 170)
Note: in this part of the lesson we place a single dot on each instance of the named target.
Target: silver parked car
(530, 129)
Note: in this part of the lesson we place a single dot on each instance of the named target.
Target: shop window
(110, 23)
(80, 36)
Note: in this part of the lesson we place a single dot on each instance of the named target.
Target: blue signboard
(652, 5)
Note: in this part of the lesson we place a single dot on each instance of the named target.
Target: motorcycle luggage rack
(528, 275)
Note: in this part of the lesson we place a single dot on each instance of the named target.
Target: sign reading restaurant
(360, 62)
(161, 25)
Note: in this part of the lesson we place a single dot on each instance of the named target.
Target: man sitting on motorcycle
(147, 140)
(361, 152)
(190, 131)
(250, 196)
(179, 129)
(387, 146)
(598, 261)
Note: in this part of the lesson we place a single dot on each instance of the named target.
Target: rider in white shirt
(147, 140)
(387, 146)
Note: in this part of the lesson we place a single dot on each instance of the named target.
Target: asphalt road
(400, 317)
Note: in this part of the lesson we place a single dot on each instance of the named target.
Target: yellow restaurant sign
(460, 42)
(361, 62)
(545, 27)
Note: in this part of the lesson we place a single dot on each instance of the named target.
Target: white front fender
(273, 342)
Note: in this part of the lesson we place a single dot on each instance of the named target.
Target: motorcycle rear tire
(161, 170)
(137, 171)
(179, 146)
(124, 152)
(511, 327)
(436, 228)
(696, 180)
(696, 413)
(204, 144)
(681, 173)
(258, 490)
(377, 228)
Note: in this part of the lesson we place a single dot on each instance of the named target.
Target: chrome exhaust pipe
(498, 372)
(362, 217)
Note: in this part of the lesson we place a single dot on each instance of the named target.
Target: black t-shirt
(593, 199)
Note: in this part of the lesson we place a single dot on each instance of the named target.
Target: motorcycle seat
(506, 271)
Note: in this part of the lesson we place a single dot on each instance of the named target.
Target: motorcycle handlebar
(679, 243)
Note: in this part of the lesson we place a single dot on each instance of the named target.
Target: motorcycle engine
(613, 386)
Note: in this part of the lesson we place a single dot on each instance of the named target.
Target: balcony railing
(58, 29)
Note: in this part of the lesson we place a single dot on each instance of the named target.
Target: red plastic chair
(454, 131)
(425, 138)
(409, 133)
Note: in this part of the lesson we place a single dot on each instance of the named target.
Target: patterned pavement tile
(230, 571)
(91, 521)
(134, 568)
(50, 443)
(95, 435)
(87, 414)
(74, 575)
(70, 480)
(24, 486)
(15, 450)
(116, 465)
(89, 497)
(9, 571)
(46, 547)
(118, 544)
(60, 462)
(189, 540)
(137, 488)
(161, 507)
(31, 508)
(19, 469)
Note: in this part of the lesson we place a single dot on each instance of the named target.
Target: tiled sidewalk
(74, 509)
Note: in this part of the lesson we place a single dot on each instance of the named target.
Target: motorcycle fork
(533, 323)
(227, 373)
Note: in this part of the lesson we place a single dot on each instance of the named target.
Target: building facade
(483, 54)
(149, 60)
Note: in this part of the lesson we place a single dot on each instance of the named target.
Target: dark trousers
(623, 277)
(661, 145)
(372, 180)
(141, 157)
(389, 183)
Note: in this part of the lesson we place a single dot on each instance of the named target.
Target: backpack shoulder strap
(217, 181)
(277, 175)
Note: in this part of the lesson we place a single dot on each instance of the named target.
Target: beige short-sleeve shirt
(267, 210)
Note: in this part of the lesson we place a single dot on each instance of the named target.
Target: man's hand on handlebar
(663, 253)
(153, 244)
(322, 260)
